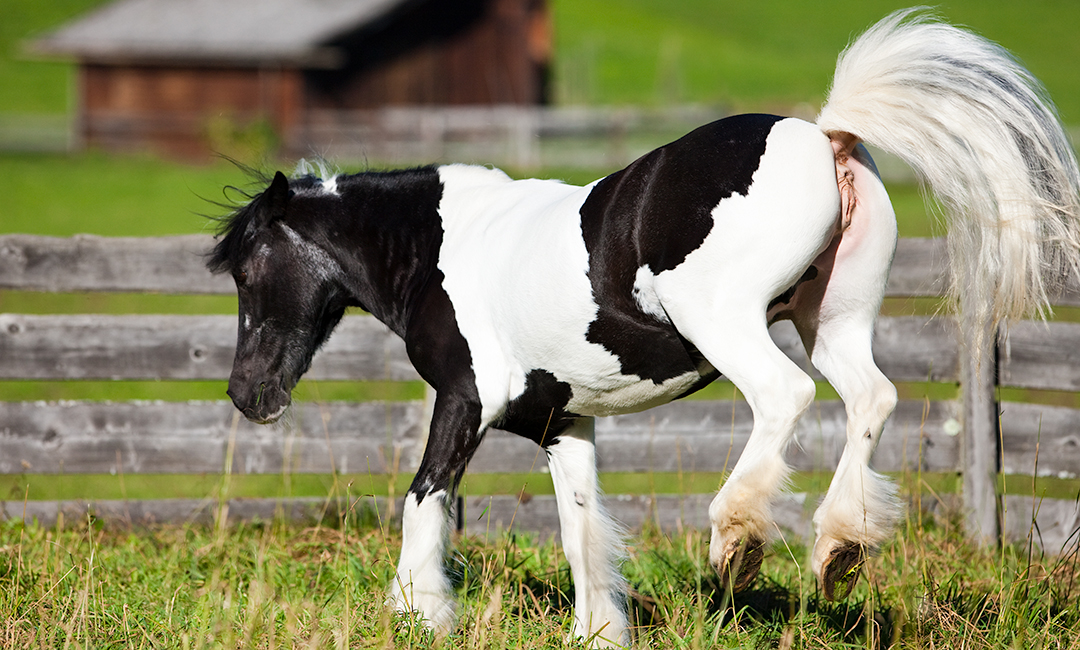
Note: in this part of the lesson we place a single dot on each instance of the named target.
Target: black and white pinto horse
(534, 306)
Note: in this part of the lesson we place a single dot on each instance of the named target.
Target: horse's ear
(275, 199)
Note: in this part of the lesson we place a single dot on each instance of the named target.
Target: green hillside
(772, 53)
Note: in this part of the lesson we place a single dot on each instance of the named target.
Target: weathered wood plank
(178, 347)
(980, 451)
(93, 263)
(194, 511)
(88, 346)
(1040, 440)
(920, 268)
(709, 436)
(1051, 523)
(483, 515)
(917, 348)
(193, 438)
(1041, 355)
(906, 348)
(175, 265)
(1057, 519)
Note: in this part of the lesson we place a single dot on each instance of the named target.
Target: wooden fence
(688, 439)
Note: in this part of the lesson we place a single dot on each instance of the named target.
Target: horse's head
(290, 296)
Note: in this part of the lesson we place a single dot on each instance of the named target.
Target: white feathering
(980, 130)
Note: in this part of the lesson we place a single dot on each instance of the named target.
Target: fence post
(978, 377)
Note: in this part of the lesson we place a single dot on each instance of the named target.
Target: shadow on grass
(772, 604)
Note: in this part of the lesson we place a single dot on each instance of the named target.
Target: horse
(535, 306)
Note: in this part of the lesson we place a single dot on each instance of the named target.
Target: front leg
(591, 540)
(421, 584)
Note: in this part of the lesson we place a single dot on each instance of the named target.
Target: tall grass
(272, 584)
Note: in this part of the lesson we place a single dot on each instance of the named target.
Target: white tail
(981, 132)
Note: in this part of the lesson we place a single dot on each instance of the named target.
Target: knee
(886, 399)
(803, 392)
(784, 403)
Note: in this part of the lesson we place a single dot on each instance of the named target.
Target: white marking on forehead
(247, 321)
(320, 261)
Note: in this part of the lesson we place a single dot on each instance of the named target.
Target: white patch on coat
(645, 294)
(516, 268)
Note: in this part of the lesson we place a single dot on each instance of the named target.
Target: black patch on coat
(539, 413)
(656, 212)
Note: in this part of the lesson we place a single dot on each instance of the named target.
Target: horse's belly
(627, 394)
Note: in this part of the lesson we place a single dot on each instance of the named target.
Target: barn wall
(170, 109)
(449, 52)
(453, 53)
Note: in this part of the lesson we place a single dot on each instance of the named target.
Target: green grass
(322, 584)
(182, 391)
(112, 195)
(60, 487)
(29, 85)
(772, 54)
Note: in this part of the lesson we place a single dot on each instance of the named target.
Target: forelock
(233, 233)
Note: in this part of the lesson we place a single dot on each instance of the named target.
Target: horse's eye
(241, 277)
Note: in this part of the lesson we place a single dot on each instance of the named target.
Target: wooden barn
(162, 75)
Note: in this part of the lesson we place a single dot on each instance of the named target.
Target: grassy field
(772, 53)
(322, 585)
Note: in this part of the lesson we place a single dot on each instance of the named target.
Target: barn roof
(214, 31)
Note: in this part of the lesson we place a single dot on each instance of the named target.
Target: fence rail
(704, 436)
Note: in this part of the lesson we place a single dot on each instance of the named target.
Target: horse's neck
(392, 242)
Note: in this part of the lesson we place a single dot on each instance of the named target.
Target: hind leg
(760, 245)
(736, 341)
(778, 393)
(860, 507)
(835, 317)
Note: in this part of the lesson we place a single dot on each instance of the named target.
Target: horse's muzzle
(261, 402)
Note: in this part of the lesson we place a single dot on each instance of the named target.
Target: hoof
(841, 570)
(742, 559)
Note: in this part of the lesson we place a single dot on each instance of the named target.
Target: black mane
(235, 228)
